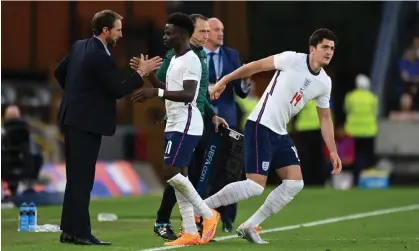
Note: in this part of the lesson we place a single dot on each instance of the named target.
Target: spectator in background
(22, 161)
(361, 123)
(12, 115)
(405, 113)
(409, 71)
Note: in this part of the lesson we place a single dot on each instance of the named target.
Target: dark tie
(211, 69)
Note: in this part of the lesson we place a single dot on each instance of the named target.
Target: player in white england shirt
(299, 78)
(184, 127)
(183, 117)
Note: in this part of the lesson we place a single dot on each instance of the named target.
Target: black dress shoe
(92, 240)
(66, 238)
(82, 241)
(96, 241)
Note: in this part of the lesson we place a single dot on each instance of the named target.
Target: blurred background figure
(21, 161)
(405, 112)
(409, 71)
(361, 122)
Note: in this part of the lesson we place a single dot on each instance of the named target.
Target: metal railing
(383, 51)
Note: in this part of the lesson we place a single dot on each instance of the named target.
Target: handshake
(144, 66)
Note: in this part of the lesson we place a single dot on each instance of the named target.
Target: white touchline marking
(49, 220)
(309, 224)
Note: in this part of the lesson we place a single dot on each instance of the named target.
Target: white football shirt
(183, 117)
(293, 85)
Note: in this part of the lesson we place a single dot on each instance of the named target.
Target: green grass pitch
(133, 231)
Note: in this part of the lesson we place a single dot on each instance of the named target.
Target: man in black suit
(91, 87)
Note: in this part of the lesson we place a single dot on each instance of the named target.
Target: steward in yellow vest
(361, 113)
(361, 123)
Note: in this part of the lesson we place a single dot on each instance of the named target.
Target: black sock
(167, 204)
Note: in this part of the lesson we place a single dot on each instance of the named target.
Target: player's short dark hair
(319, 35)
(183, 21)
(104, 18)
(195, 17)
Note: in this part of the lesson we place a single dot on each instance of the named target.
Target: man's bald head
(216, 35)
(214, 20)
(11, 112)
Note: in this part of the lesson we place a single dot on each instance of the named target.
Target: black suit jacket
(91, 87)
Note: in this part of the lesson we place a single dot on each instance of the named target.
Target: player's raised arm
(279, 61)
(274, 62)
(265, 64)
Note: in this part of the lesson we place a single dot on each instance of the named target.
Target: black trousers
(364, 156)
(81, 153)
(310, 152)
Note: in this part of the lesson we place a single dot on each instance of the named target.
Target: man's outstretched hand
(144, 66)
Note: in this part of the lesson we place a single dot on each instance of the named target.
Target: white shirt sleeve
(284, 60)
(192, 70)
(323, 101)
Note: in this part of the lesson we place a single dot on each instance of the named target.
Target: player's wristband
(160, 93)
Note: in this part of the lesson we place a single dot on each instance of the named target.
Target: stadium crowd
(407, 88)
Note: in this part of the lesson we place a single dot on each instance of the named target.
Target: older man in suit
(89, 79)
(221, 61)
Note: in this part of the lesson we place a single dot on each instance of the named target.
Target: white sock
(234, 192)
(185, 187)
(276, 200)
(187, 213)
